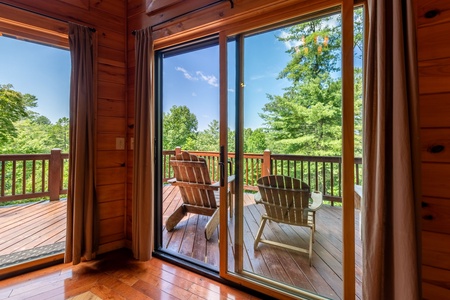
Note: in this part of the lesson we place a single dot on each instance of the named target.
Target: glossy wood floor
(116, 276)
(292, 268)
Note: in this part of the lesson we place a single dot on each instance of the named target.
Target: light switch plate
(120, 143)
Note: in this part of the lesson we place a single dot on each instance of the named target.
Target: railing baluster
(43, 189)
(332, 179)
(24, 178)
(33, 177)
(324, 191)
(2, 192)
(13, 183)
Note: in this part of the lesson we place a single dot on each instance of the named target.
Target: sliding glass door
(286, 231)
(263, 111)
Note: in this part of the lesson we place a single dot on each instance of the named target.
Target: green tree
(179, 128)
(254, 140)
(208, 139)
(59, 134)
(14, 106)
(306, 119)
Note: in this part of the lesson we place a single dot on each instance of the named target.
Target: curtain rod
(191, 11)
(92, 29)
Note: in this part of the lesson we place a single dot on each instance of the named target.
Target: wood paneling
(435, 179)
(436, 249)
(111, 176)
(111, 159)
(112, 108)
(434, 78)
(112, 192)
(435, 145)
(435, 110)
(436, 283)
(436, 215)
(112, 209)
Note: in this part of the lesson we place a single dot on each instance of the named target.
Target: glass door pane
(290, 110)
(189, 105)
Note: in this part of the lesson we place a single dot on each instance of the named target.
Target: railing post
(177, 150)
(54, 174)
(266, 166)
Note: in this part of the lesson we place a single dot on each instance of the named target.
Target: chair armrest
(171, 180)
(317, 198)
(217, 184)
(257, 197)
(231, 178)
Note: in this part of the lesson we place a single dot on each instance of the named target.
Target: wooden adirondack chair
(287, 200)
(199, 194)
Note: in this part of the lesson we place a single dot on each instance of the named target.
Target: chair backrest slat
(285, 198)
(189, 168)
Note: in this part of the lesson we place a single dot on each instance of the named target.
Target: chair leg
(230, 204)
(212, 224)
(260, 230)
(175, 218)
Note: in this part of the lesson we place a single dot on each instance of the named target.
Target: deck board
(324, 277)
(27, 226)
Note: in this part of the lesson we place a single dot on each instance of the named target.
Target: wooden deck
(325, 275)
(42, 224)
(31, 229)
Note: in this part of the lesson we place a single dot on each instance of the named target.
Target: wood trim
(113, 246)
(34, 27)
(23, 267)
(244, 17)
(348, 245)
(223, 132)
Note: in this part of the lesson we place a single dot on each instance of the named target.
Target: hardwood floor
(116, 275)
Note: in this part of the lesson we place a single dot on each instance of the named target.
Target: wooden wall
(434, 87)
(108, 17)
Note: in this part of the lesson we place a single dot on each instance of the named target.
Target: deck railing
(321, 173)
(28, 176)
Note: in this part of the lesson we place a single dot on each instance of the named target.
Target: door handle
(222, 166)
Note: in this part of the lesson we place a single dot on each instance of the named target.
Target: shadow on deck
(324, 277)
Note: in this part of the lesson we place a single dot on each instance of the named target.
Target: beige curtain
(391, 231)
(81, 237)
(143, 167)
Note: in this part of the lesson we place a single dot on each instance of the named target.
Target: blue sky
(192, 79)
(39, 70)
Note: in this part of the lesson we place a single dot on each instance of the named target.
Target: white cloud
(194, 94)
(210, 79)
(186, 73)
